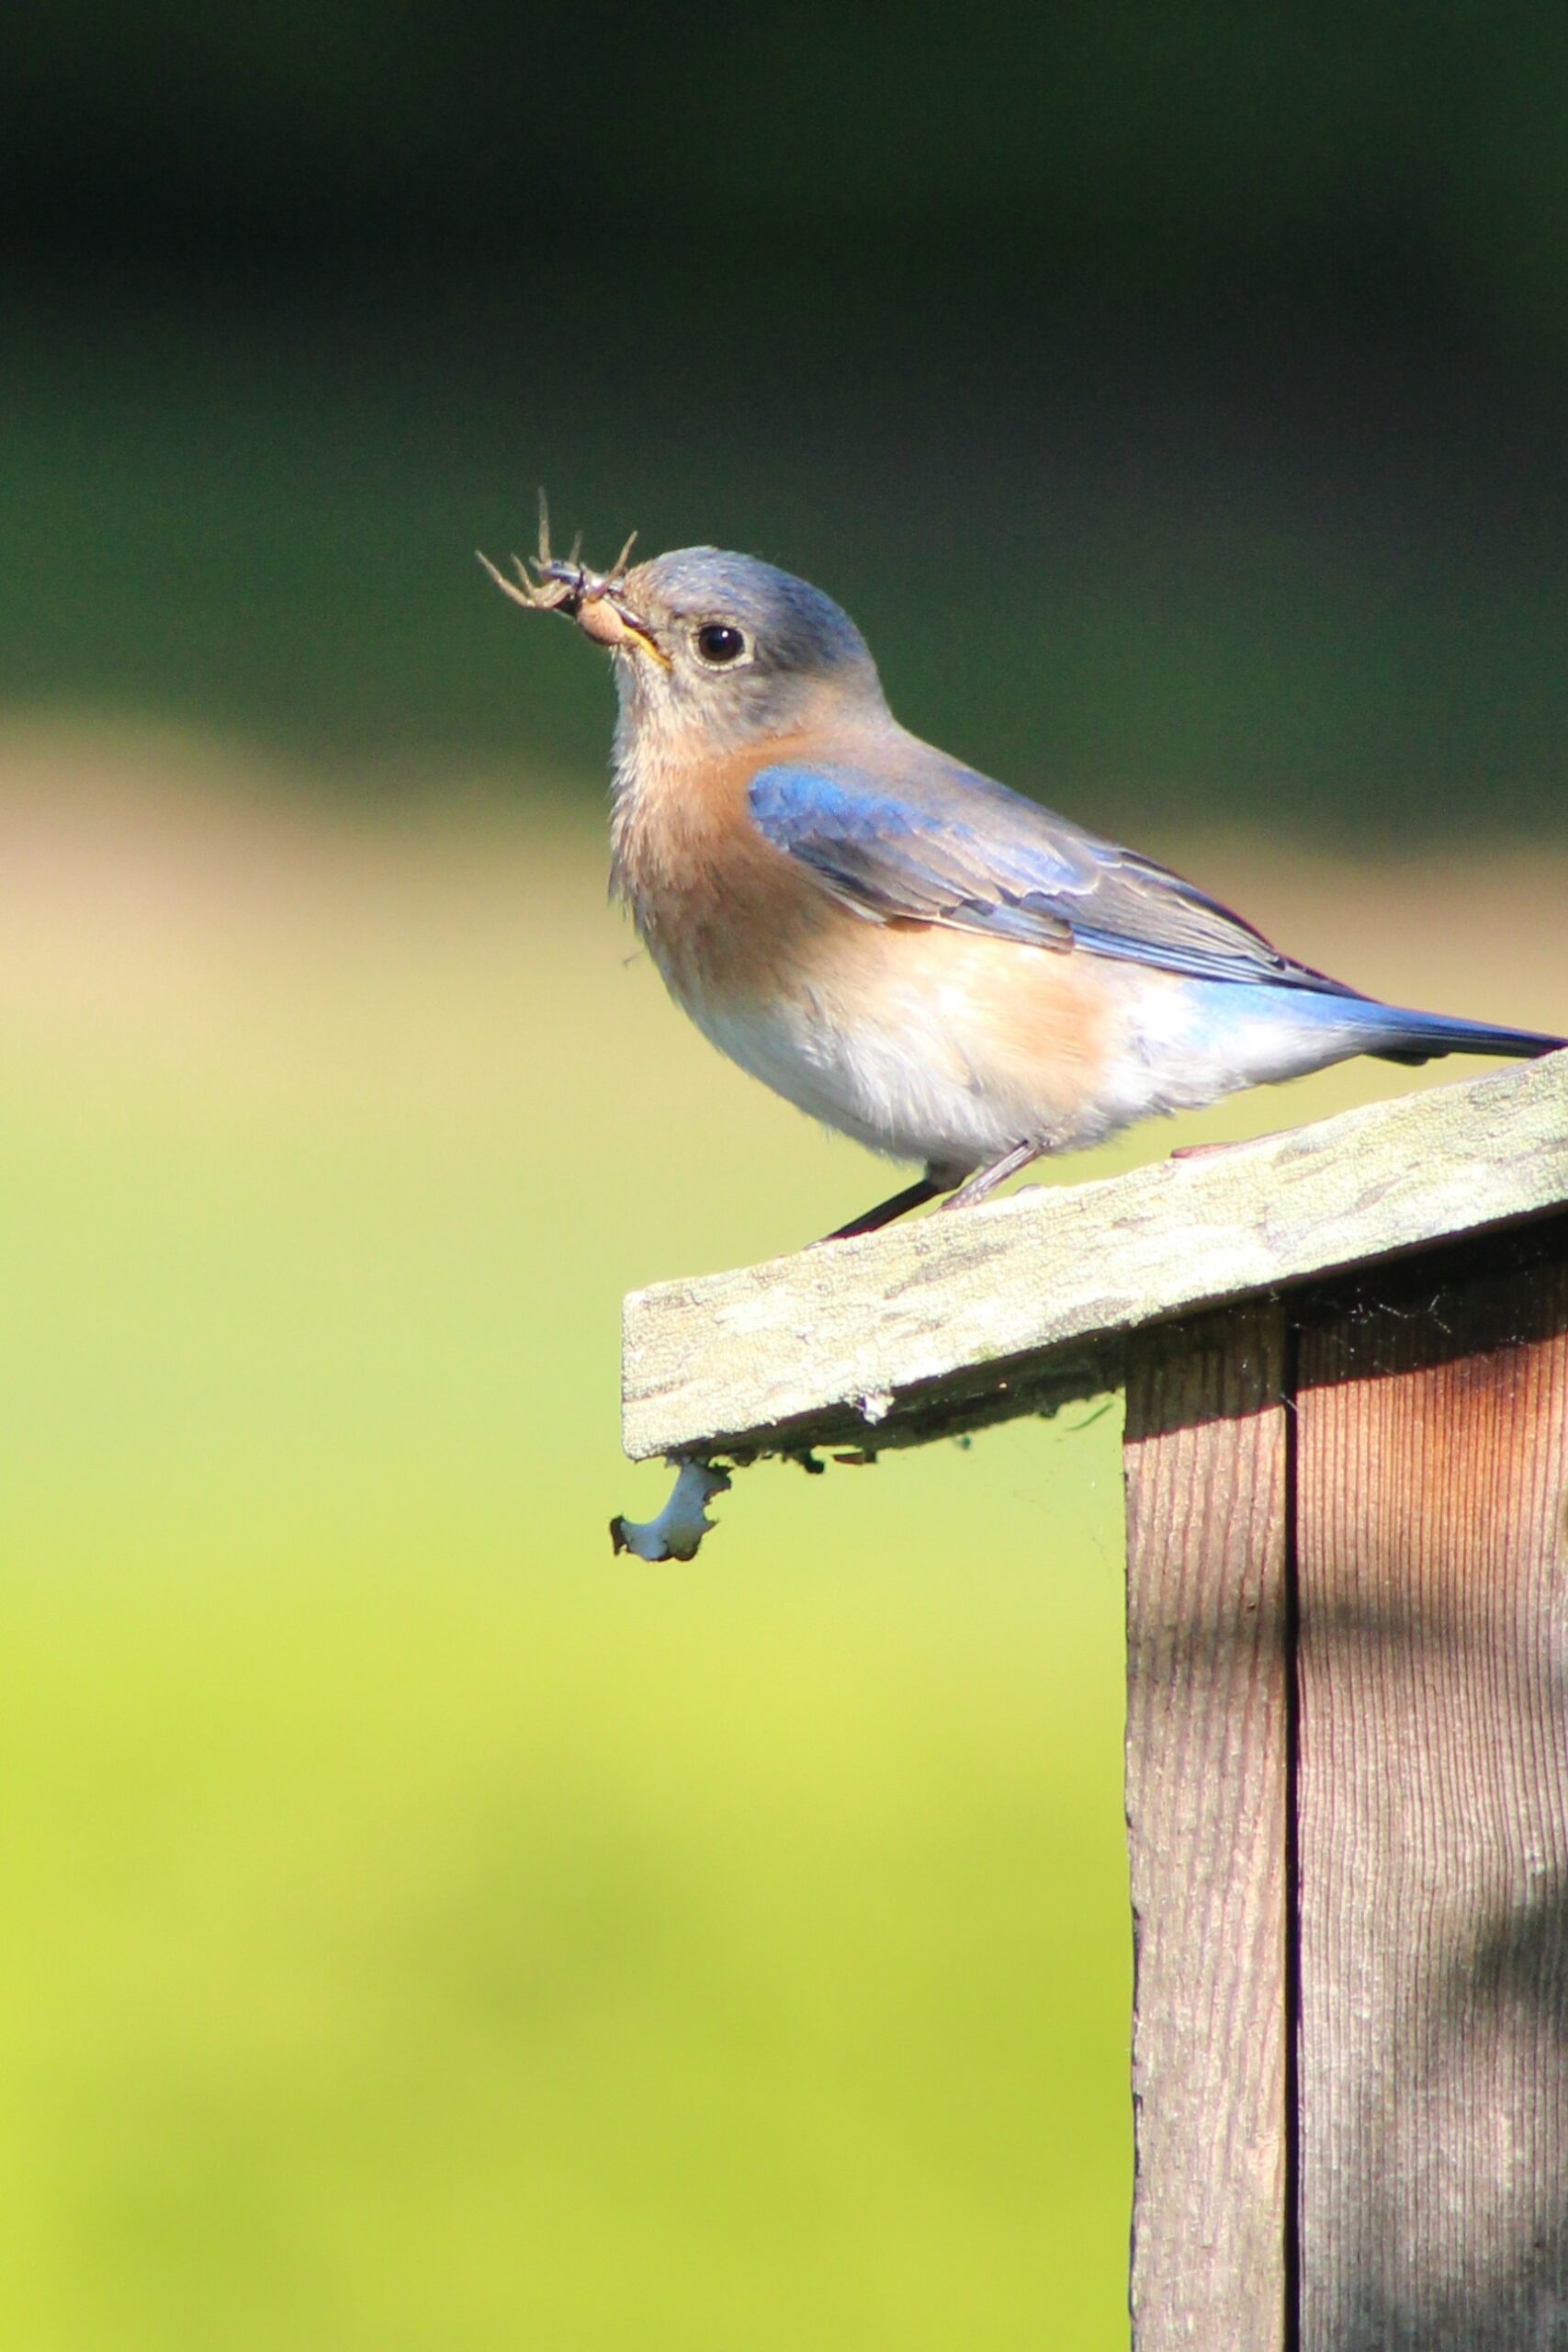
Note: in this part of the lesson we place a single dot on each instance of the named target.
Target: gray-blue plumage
(949, 845)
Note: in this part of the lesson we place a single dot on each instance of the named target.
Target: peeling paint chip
(679, 1527)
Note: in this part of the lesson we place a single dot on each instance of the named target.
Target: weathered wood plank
(1207, 1765)
(1432, 1543)
(1024, 1303)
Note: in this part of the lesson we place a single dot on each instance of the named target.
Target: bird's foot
(985, 1181)
(1231, 1143)
(913, 1196)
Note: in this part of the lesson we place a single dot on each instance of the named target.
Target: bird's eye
(719, 643)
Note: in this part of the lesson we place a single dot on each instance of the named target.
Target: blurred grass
(421, 1928)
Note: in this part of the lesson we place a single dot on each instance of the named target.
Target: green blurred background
(422, 1930)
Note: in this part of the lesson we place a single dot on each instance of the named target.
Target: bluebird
(907, 950)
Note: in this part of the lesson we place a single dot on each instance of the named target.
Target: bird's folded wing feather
(943, 844)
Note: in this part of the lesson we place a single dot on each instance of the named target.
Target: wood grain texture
(1021, 1304)
(1207, 1765)
(1432, 1545)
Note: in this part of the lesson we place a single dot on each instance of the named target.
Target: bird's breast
(925, 1042)
(729, 918)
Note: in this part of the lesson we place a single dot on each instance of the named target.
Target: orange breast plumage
(921, 1040)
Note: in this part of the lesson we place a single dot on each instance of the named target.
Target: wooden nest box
(1345, 1356)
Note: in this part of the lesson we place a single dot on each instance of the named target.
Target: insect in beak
(594, 600)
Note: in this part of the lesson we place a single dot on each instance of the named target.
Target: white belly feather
(921, 1072)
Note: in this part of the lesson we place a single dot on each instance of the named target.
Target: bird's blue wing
(946, 846)
(892, 859)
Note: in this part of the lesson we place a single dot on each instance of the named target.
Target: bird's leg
(985, 1179)
(913, 1196)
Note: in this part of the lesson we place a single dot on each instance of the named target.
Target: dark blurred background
(1176, 396)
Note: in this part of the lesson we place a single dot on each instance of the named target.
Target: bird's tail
(1396, 1034)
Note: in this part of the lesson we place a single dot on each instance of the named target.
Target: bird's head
(723, 646)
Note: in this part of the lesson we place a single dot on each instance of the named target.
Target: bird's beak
(600, 611)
